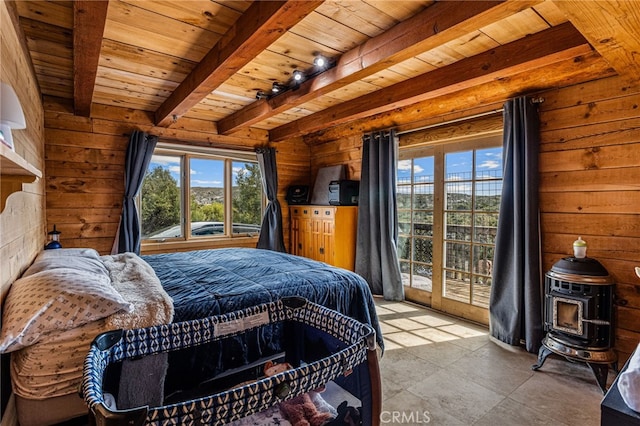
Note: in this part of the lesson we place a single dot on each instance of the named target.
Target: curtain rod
(538, 100)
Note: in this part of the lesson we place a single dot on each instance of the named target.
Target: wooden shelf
(14, 171)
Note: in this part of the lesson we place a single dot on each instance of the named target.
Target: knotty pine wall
(590, 187)
(590, 181)
(22, 222)
(85, 160)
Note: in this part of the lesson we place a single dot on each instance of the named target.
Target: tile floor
(440, 370)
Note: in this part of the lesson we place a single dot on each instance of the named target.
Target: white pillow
(57, 299)
(62, 252)
(81, 264)
(83, 259)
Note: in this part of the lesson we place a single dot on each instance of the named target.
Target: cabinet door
(322, 233)
(328, 240)
(306, 241)
(345, 230)
(296, 245)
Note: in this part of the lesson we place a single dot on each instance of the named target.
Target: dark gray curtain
(139, 152)
(271, 236)
(515, 305)
(376, 248)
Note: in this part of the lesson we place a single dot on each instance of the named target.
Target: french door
(448, 202)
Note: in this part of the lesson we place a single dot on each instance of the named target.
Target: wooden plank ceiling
(208, 60)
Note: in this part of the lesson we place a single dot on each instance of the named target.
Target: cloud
(174, 169)
(489, 164)
(198, 182)
(164, 160)
(405, 165)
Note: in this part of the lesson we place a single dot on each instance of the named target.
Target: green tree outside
(213, 212)
(247, 197)
(160, 205)
(160, 201)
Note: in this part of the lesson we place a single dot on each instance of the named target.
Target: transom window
(188, 195)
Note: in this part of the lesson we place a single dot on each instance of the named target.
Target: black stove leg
(543, 353)
(601, 371)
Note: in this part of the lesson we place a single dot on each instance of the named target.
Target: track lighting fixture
(320, 64)
(320, 61)
(277, 88)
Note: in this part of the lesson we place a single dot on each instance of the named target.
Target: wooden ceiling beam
(434, 26)
(613, 29)
(89, 17)
(477, 99)
(262, 24)
(533, 51)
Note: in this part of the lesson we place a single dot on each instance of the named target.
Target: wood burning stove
(578, 315)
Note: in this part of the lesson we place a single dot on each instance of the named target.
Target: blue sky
(458, 165)
(204, 172)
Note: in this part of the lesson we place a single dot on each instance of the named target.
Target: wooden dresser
(325, 233)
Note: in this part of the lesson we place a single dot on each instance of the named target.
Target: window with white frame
(200, 193)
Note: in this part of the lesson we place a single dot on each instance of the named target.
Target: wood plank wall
(85, 160)
(294, 168)
(22, 222)
(590, 187)
(590, 182)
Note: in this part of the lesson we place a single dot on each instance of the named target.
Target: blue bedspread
(211, 282)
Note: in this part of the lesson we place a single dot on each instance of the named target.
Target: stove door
(567, 314)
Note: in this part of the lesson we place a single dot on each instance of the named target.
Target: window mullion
(439, 199)
(228, 197)
(186, 197)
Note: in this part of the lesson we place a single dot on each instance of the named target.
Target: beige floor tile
(571, 399)
(442, 354)
(399, 307)
(472, 343)
(445, 371)
(406, 339)
(448, 393)
(464, 330)
(491, 373)
(405, 323)
(435, 335)
(404, 368)
(390, 388)
(433, 320)
(406, 408)
(386, 328)
(513, 413)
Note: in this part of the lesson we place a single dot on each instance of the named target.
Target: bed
(46, 365)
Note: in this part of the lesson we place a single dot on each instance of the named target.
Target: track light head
(261, 95)
(277, 88)
(298, 75)
(320, 61)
